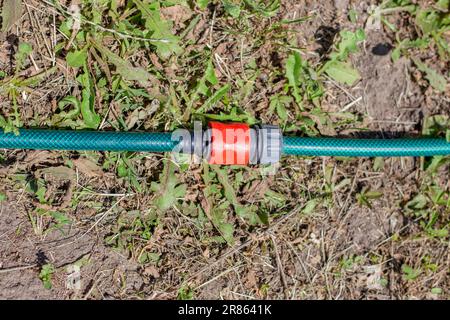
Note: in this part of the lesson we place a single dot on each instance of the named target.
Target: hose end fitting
(238, 144)
(267, 144)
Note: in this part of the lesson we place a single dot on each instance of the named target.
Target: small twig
(218, 276)
(351, 104)
(212, 28)
(280, 267)
(34, 63)
(6, 270)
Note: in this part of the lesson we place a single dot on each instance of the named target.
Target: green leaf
(210, 74)
(227, 231)
(274, 198)
(124, 67)
(23, 51)
(436, 125)
(278, 104)
(168, 189)
(337, 67)
(40, 191)
(293, 69)
(219, 219)
(348, 44)
(160, 29)
(11, 13)
(342, 72)
(215, 98)
(60, 220)
(68, 115)
(265, 8)
(373, 194)
(410, 273)
(202, 4)
(436, 290)
(234, 115)
(76, 58)
(438, 233)
(232, 9)
(246, 212)
(353, 16)
(310, 207)
(185, 293)
(45, 275)
(443, 4)
(90, 117)
(2, 197)
(122, 170)
(378, 164)
(208, 77)
(417, 203)
(436, 80)
(25, 48)
(366, 195)
(202, 86)
(395, 55)
(428, 20)
(407, 44)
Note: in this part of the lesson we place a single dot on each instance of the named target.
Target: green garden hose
(87, 140)
(365, 147)
(163, 142)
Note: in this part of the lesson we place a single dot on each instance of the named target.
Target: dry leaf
(151, 271)
(88, 167)
(59, 173)
(177, 13)
(35, 157)
(11, 13)
(252, 281)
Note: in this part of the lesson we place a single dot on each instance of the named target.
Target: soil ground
(342, 248)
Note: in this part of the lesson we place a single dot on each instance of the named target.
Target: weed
(409, 273)
(437, 81)
(433, 22)
(133, 230)
(348, 263)
(302, 80)
(46, 275)
(248, 213)
(14, 86)
(158, 29)
(366, 195)
(436, 291)
(430, 206)
(337, 67)
(168, 190)
(185, 293)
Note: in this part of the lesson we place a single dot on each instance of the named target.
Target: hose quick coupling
(233, 143)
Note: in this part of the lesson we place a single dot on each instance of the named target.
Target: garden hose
(224, 143)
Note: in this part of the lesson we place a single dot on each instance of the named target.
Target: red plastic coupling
(230, 143)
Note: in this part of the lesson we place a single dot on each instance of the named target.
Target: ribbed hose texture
(162, 142)
(365, 147)
(87, 140)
